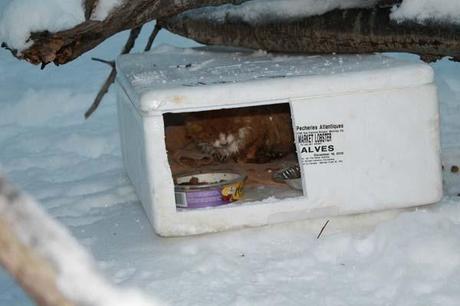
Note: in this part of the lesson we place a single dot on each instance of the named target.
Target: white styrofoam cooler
(366, 126)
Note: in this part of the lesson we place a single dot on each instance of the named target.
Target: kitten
(250, 134)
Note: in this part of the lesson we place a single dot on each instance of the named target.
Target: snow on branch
(267, 11)
(104, 8)
(357, 30)
(423, 11)
(47, 262)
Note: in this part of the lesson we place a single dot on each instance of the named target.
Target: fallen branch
(339, 31)
(64, 46)
(47, 262)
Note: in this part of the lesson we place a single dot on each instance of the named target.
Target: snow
(261, 11)
(103, 8)
(19, 18)
(74, 168)
(422, 11)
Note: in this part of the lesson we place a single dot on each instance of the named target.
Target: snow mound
(38, 107)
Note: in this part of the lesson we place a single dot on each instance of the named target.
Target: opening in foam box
(361, 130)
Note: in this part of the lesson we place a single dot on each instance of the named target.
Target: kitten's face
(245, 134)
(221, 140)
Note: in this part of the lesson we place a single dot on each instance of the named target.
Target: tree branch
(89, 7)
(152, 37)
(64, 46)
(339, 31)
(100, 60)
(113, 73)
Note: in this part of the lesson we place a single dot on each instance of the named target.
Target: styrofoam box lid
(170, 79)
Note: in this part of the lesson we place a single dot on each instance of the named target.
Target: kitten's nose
(230, 138)
(223, 139)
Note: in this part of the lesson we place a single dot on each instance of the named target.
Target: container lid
(170, 79)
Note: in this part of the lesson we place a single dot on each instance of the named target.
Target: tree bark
(89, 6)
(339, 31)
(64, 46)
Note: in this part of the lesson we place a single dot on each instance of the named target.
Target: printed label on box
(321, 144)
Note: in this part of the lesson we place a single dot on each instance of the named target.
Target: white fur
(226, 145)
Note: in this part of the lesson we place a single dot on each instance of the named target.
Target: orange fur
(253, 134)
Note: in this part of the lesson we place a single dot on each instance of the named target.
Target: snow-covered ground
(74, 168)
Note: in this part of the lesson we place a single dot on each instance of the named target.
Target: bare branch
(104, 89)
(113, 73)
(111, 78)
(152, 37)
(110, 63)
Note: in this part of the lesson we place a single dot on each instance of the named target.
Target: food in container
(208, 189)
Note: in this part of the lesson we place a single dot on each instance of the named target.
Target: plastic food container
(198, 190)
